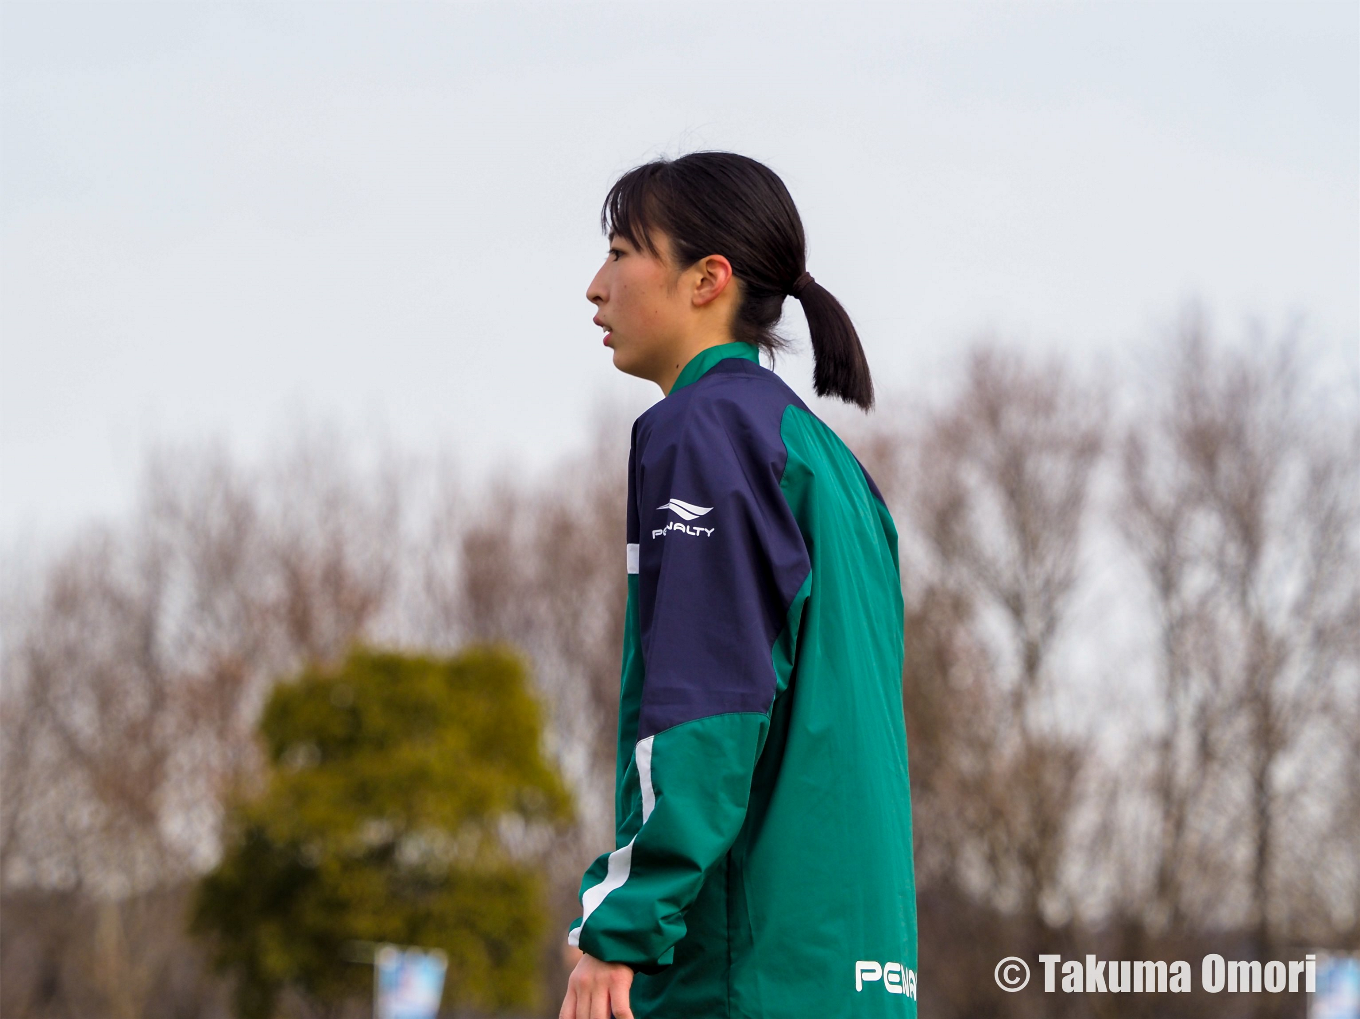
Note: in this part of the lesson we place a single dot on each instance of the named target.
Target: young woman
(763, 866)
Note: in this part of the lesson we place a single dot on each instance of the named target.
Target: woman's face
(641, 307)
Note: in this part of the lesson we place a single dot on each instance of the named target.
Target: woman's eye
(616, 253)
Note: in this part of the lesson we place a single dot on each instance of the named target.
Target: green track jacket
(763, 861)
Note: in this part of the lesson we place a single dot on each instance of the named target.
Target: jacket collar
(708, 357)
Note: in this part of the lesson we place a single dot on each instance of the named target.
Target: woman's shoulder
(735, 400)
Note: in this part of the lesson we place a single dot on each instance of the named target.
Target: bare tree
(1241, 506)
(335, 542)
(1000, 498)
(134, 671)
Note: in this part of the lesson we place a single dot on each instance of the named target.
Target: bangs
(631, 209)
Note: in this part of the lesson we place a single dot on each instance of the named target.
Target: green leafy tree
(407, 801)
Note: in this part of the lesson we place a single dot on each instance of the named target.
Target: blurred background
(312, 476)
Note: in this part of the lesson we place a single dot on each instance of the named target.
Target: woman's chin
(629, 365)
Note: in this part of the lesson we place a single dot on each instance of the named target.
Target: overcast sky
(217, 218)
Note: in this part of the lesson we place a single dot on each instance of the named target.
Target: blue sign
(1338, 988)
(409, 983)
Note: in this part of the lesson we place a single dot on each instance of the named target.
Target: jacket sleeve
(723, 573)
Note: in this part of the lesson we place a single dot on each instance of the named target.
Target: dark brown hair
(720, 203)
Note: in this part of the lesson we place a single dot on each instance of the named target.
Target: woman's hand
(597, 990)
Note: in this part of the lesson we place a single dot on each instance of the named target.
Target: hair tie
(800, 284)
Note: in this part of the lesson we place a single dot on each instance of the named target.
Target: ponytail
(839, 365)
(722, 203)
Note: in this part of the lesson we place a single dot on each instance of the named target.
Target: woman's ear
(715, 277)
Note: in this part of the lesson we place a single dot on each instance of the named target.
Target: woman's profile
(763, 859)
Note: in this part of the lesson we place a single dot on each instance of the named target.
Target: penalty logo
(896, 978)
(685, 510)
